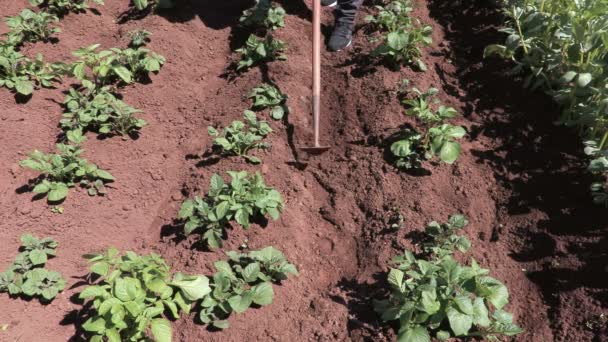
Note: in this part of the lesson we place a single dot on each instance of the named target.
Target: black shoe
(329, 3)
(342, 36)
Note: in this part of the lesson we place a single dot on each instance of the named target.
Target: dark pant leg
(347, 11)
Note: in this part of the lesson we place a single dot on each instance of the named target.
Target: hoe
(316, 149)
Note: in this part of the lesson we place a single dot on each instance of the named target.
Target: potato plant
(22, 75)
(435, 296)
(242, 281)
(142, 5)
(403, 37)
(62, 171)
(107, 67)
(132, 295)
(264, 15)
(245, 198)
(438, 138)
(98, 110)
(30, 26)
(241, 137)
(139, 38)
(27, 276)
(268, 96)
(257, 51)
(62, 7)
(560, 47)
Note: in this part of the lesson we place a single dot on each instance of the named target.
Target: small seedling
(396, 219)
(59, 172)
(404, 37)
(98, 110)
(269, 96)
(437, 140)
(30, 26)
(27, 275)
(245, 198)
(241, 137)
(264, 15)
(62, 7)
(436, 295)
(132, 294)
(139, 38)
(392, 16)
(404, 47)
(257, 51)
(242, 281)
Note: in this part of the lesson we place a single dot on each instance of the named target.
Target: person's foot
(329, 3)
(342, 36)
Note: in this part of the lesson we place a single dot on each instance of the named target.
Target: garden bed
(517, 180)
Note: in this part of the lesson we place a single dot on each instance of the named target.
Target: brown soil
(520, 180)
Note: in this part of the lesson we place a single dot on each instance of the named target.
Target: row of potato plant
(560, 47)
(95, 106)
(19, 73)
(134, 297)
(432, 295)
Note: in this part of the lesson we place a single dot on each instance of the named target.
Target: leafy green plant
(258, 51)
(62, 7)
(141, 5)
(59, 172)
(241, 137)
(438, 138)
(27, 275)
(263, 14)
(30, 26)
(436, 295)
(133, 293)
(245, 198)
(560, 47)
(392, 16)
(38, 249)
(268, 96)
(108, 66)
(403, 36)
(403, 47)
(139, 38)
(98, 110)
(22, 75)
(242, 281)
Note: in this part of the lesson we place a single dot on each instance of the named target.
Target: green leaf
(105, 175)
(415, 334)
(464, 304)
(459, 322)
(223, 324)
(480, 313)
(37, 257)
(395, 278)
(41, 188)
(123, 73)
(161, 330)
(59, 193)
(449, 152)
(193, 288)
(240, 303)
(583, 79)
(263, 294)
(24, 87)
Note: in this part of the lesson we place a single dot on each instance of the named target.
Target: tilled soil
(520, 179)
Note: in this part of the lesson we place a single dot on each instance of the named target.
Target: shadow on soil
(540, 164)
